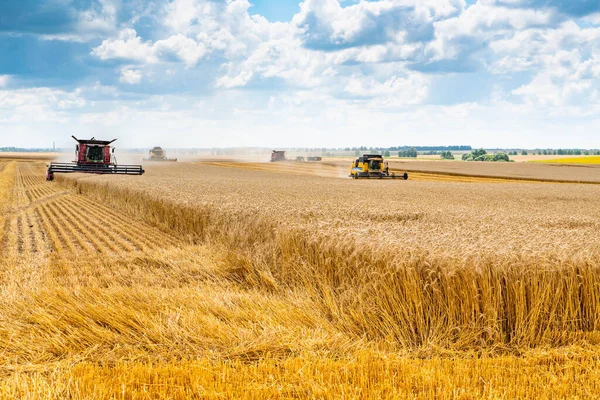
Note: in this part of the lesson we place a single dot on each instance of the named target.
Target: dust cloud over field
(250, 280)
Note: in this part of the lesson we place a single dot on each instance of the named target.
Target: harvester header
(95, 157)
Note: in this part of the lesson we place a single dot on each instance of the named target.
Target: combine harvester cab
(158, 154)
(372, 166)
(93, 157)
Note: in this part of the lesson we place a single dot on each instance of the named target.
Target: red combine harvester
(278, 155)
(94, 157)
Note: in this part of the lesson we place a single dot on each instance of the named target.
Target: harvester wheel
(405, 176)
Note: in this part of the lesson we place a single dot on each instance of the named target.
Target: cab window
(95, 154)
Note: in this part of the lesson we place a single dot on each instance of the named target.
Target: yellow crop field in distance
(591, 160)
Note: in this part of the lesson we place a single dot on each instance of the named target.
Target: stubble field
(251, 281)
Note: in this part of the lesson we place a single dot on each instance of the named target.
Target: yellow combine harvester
(373, 166)
(158, 154)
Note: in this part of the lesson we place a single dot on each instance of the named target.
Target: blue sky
(282, 10)
(204, 73)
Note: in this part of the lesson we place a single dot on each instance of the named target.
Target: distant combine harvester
(158, 154)
(279, 155)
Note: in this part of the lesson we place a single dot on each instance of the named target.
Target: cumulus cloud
(576, 8)
(563, 78)
(329, 26)
(129, 46)
(394, 91)
(4, 80)
(130, 76)
(60, 20)
(38, 104)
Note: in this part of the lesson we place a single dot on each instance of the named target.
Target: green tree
(482, 155)
(447, 155)
(501, 157)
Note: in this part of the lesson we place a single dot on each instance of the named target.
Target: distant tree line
(22, 150)
(557, 152)
(432, 148)
(412, 152)
(567, 152)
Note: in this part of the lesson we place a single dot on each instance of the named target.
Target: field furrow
(51, 236)
(33, 243)
(61, 240)
(20, 234)
(39, 242)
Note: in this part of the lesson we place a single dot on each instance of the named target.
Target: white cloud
(102, 19)
(38, 104)
(129, 46)
(328, 25)
(181, 47)
(130, 76)
(4, 80)
(563, 79)
(396, 90)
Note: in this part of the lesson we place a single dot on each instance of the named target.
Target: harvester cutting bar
(96, 169)
(379, 176)
(160, 159)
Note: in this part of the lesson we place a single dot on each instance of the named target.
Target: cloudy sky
(336, 73)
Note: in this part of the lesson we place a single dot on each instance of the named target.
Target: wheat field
(214, 281)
